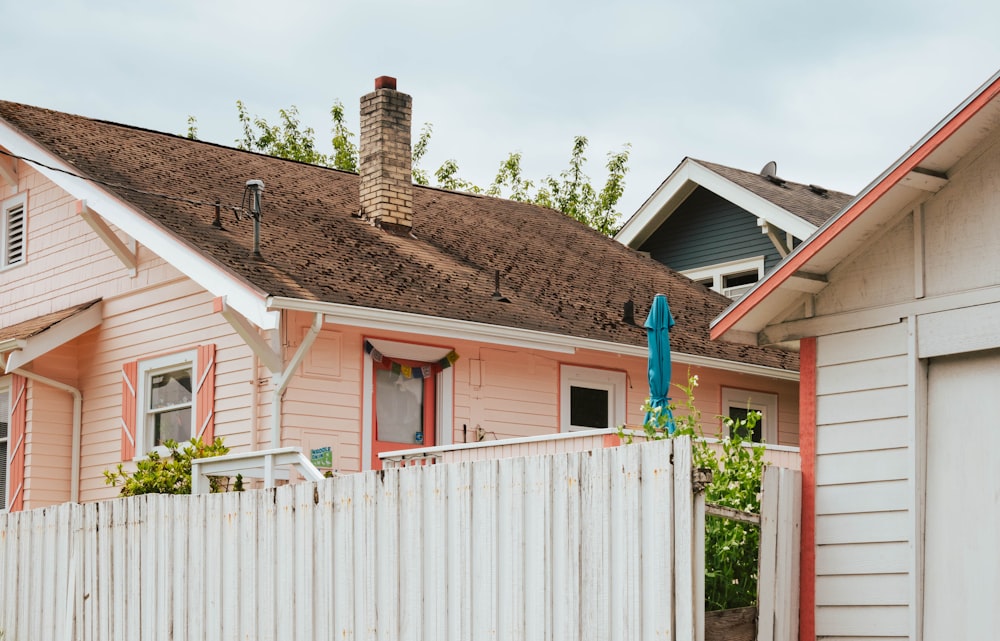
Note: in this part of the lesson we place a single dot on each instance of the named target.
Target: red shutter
(16, 432)
(130, 376)
(205, 394)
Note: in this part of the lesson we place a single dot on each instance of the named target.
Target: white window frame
(147, 369)
(719, 271)
(5, 389)
(590, 377)
(444, 411)
(764, 402)
(15, 201)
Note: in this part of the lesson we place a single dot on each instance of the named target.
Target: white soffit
(676, 188)
(190, 262)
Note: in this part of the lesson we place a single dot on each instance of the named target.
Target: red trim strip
(817, 243)
(807, 452)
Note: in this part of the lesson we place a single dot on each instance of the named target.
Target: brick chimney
(385, 157)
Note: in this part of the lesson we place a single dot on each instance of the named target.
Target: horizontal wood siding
(863, 491)
(707, 229)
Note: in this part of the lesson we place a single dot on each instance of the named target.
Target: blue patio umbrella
(658, 325)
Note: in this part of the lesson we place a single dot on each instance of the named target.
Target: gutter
(450, 328)
(74, 487)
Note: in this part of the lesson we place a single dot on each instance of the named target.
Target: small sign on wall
(322, 457)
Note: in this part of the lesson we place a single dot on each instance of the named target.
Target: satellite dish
(770, 170)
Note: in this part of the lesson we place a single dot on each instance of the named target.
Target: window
(13, 223)
(732, 279)
(166, 400)
(591, 398)
(737, 403)
(169, 397)
(407, 400)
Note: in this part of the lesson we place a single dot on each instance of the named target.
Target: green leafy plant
(731, 547)
(170, 474)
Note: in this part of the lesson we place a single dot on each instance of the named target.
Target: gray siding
(706, 230)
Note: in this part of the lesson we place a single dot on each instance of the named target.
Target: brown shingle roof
(796, 198)
(560, 276)
(39, 324)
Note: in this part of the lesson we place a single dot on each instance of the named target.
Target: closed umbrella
(658, 325)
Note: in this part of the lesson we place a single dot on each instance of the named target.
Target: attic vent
(13, 235)
(819, 191)
(777, 181)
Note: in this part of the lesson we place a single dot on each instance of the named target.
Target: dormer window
(13, 230)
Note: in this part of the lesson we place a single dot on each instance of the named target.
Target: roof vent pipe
(254, 189)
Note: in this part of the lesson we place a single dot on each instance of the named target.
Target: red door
(403, 416)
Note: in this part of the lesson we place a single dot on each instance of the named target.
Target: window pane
(170, 388)
(173, 425)
(399, 407)
(740, 414)
(588, 407)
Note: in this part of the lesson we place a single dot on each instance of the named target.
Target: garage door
(962, 545)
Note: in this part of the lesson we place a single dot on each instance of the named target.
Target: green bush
(171, 474)
(731, 547)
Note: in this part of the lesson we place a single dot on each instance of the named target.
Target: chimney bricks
(385, 157)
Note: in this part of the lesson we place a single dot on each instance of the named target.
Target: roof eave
(381, 319)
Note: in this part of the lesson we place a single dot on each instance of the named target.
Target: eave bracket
(118, 247)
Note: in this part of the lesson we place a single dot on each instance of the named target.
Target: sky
(834, 92)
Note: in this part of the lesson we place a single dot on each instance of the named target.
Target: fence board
(582, 545)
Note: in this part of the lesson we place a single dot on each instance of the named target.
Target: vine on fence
(731, 547)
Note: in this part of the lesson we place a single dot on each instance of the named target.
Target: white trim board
(450, 328)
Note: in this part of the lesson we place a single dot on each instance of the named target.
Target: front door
(404, 416)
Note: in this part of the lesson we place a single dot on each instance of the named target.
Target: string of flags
(406, 371)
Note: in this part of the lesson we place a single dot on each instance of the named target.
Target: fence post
(778, 574)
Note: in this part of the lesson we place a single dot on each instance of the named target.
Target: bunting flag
(407, 371)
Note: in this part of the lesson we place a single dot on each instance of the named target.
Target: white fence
(584, 545)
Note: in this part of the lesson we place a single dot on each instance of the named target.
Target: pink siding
(48, 453)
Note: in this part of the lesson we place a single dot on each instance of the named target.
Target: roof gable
(561, 277)
(795, 208)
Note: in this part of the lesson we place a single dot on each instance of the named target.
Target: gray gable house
(724, 227)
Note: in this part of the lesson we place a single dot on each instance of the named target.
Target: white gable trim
(682, 182)
(249, 301)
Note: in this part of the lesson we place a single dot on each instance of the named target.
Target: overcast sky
(834, 92)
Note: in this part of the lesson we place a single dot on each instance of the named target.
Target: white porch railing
(269, 465)
(776, 455)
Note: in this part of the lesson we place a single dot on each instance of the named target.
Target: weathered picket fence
(583, 545)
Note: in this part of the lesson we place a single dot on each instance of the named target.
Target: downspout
(282, 380)
(74, 482)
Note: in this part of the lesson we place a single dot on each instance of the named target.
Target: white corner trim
(189, 261)
(678, 186)
(59, 334)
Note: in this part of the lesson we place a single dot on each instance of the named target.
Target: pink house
(156, 287)
(894, 305)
